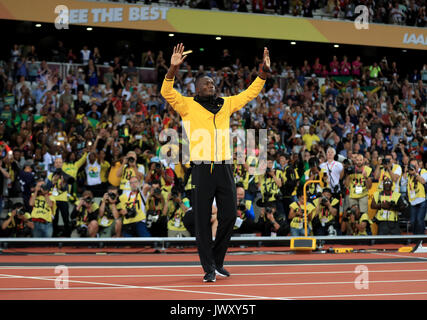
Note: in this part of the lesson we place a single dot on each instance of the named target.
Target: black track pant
(213, 182)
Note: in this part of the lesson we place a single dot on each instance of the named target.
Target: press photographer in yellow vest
(132, 208)
(388, 203)
(388, 168)
(61, 184)
(43, 212)
(354, 223)
(324, 217)
(296, 215)
(359, 181)
(129, 168)
(85, 216)
(180, 207)
(415, 179)
(269, 183)
(18, 223)
(109, 218)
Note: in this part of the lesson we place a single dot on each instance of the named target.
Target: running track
(385, 276)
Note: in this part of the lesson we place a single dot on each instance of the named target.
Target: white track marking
(228, 264)
(358, 295)
(234, 274)
(164, 288)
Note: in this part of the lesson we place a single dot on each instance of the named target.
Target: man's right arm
(173, 97)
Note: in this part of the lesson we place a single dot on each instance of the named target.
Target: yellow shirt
(324, 215)
(269, 185)
(72, 168)
(358, 188)
(308, 140)
(298, 222)
(127, 202)
(175, 222)
(209, 134)
(383, 214)
(41, 209)
(104, 171)
(83, 219)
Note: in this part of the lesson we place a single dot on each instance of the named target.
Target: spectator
(85, 55)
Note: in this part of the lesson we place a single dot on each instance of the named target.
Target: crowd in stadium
(400, 12)
(86, 148)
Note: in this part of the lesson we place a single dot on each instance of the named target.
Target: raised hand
(266, 59)
(177, 57)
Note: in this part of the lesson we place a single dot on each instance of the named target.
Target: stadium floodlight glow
(171, 35)
(218, 38)
(38, 25)
(89, 29)
(336, 45)
(293, 43)
(404, 50)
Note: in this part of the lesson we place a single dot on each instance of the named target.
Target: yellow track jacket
(208, 133)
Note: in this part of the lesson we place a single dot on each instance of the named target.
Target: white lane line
(234, 274)
(229, 264)
(358, 295)
(162, 288)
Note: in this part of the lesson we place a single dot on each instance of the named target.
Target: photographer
(85, 216)
(109, 219)
(180, 207)
(325, 216)
(269, 185)
(388, 203)
(132, 208)
(250, 179)
(296, 215)
(43, 212)
(245, 213)
(268, 225)
(128, 169)
(359, 181)
(289, 178)
(18, 223)
(388, 169)
(355, 223)
(314, 173)
(334, 171)
(157, 209)
(415, 179)
(60, 183)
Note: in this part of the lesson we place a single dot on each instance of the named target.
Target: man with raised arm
(206, 120)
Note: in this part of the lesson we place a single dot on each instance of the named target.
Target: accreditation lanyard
(134, 200)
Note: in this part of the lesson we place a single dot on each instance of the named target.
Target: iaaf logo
(415, 39)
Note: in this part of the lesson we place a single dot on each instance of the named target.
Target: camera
(88, 200)
(157, 191)
(157, 166)
(241, 206)
(112, 196)
(267, 171)
(82, 231)
(350, 170)
(411, 167)
(131, 159)
(324, 201)
(131, 213)
(268, 210)
(385, 161)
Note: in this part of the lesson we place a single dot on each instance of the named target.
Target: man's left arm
(240, 100)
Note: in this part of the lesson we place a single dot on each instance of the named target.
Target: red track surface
(386, 278)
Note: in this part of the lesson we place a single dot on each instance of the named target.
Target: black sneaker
(209, 277)
(222, 272)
